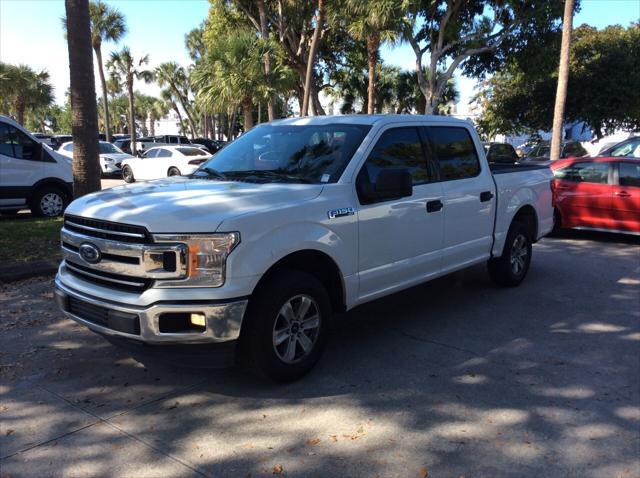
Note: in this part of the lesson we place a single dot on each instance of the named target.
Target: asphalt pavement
(452, 378)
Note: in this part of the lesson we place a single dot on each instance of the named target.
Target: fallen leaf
(277, 469)
(9, 432)
(313, 441)
(423, 472)
(333, 437)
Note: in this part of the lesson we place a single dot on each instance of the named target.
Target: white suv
(32, 175)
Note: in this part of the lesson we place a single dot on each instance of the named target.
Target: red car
(597, 193)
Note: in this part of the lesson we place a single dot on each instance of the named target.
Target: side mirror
(390, 184)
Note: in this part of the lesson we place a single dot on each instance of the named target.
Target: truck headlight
(206, 256)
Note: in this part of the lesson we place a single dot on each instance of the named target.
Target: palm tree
(123, 64)
(84, 115)
(563, 80)
(107, 24)
(22, 89)
(315, 43)
(374, 21)
(174, 76)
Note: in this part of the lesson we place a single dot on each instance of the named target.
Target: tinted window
(502, 153)
(192, 151)
(573, 149)
(163, 153)
(584, 173)
(173, 139)
(107, 148)
(16, 144)
(629, 174)
(151, 153)
(630, 148)
(398, 148)
(455, 152)
(184, 140)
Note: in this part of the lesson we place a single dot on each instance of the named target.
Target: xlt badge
(341, 212)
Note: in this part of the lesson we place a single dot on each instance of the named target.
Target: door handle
(622, 194)
(434, 206)
(486, 196)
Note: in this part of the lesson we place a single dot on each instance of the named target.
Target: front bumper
(223, 320)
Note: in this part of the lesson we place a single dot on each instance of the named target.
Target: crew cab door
(469, 197)
(400, 239)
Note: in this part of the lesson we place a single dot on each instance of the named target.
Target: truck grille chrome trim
(94, 229)
(107, 230)
(80, 270)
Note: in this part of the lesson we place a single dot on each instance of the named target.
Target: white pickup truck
(294, 221)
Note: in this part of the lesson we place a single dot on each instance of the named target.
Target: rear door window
(629, 174)
(585, 172)
(455, 152)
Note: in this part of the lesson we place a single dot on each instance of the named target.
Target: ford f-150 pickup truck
(294, 221)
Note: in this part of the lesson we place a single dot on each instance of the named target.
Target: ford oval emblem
(89, 253)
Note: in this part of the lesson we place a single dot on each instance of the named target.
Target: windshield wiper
(266, 174)
(210, 173)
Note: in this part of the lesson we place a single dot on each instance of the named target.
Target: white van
(32, 175)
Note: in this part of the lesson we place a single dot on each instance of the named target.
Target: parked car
(597, 193)
(501, 153)
(542, 152)
(43, 138)
(255, 261)
(629, 148)
(212, 145)
(32, 175)
(58, 139)
(124, 144)
(164, 161)
(142, 144)
(111, 156)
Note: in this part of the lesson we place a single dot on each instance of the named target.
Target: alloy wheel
(296, 328)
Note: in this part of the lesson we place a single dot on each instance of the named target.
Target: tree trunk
(184, 102)
(152, 125)
(373, 43)
(232, 120)
(264, 33)
(132, 116)
(105, 100)
(259, 112)
(247, 111)
(563, 80)
(315, 101)
(84, 113)
(20, 109)
(315, 43)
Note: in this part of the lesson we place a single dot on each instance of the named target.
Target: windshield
(192, 152)
(296, 153)
(106, 148)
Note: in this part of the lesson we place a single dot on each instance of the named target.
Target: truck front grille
(107, 230)
(117, 281)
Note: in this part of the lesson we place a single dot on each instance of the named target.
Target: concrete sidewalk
(452, 378)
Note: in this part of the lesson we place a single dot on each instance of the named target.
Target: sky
(31, 33)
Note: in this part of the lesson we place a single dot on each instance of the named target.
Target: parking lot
(453, 378)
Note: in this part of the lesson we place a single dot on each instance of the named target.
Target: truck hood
(186, 205)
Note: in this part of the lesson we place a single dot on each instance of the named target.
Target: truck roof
(365, 119)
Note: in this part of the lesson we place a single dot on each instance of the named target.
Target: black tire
(127, 174)
(510, 269)
(264, 317)
(173, 172)
(48, 201)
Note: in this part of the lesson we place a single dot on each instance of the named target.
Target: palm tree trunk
(184, 102)
(105, 101)
(264, 33)
(373, 43)
(132, 117)
(563, 80)
(84, 114)
(315, 43)
(20, 109)
(247, 111)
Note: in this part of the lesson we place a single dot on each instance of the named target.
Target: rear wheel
(286, 326)
(173, 172)
(127, 174)
(48, 201)
(510, 269)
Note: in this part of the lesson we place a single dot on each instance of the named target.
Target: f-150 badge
(341, 212)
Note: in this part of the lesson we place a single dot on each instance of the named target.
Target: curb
(19, 271)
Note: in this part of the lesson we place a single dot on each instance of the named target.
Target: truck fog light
(198, 320)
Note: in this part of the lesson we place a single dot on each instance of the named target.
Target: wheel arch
(316, 263)
(67, 188)
(528, 216)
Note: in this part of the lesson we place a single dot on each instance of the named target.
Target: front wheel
(286, 326)
(127, 174)
(510, 269)
(49, 201)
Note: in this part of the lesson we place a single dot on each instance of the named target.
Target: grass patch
(24, 240)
